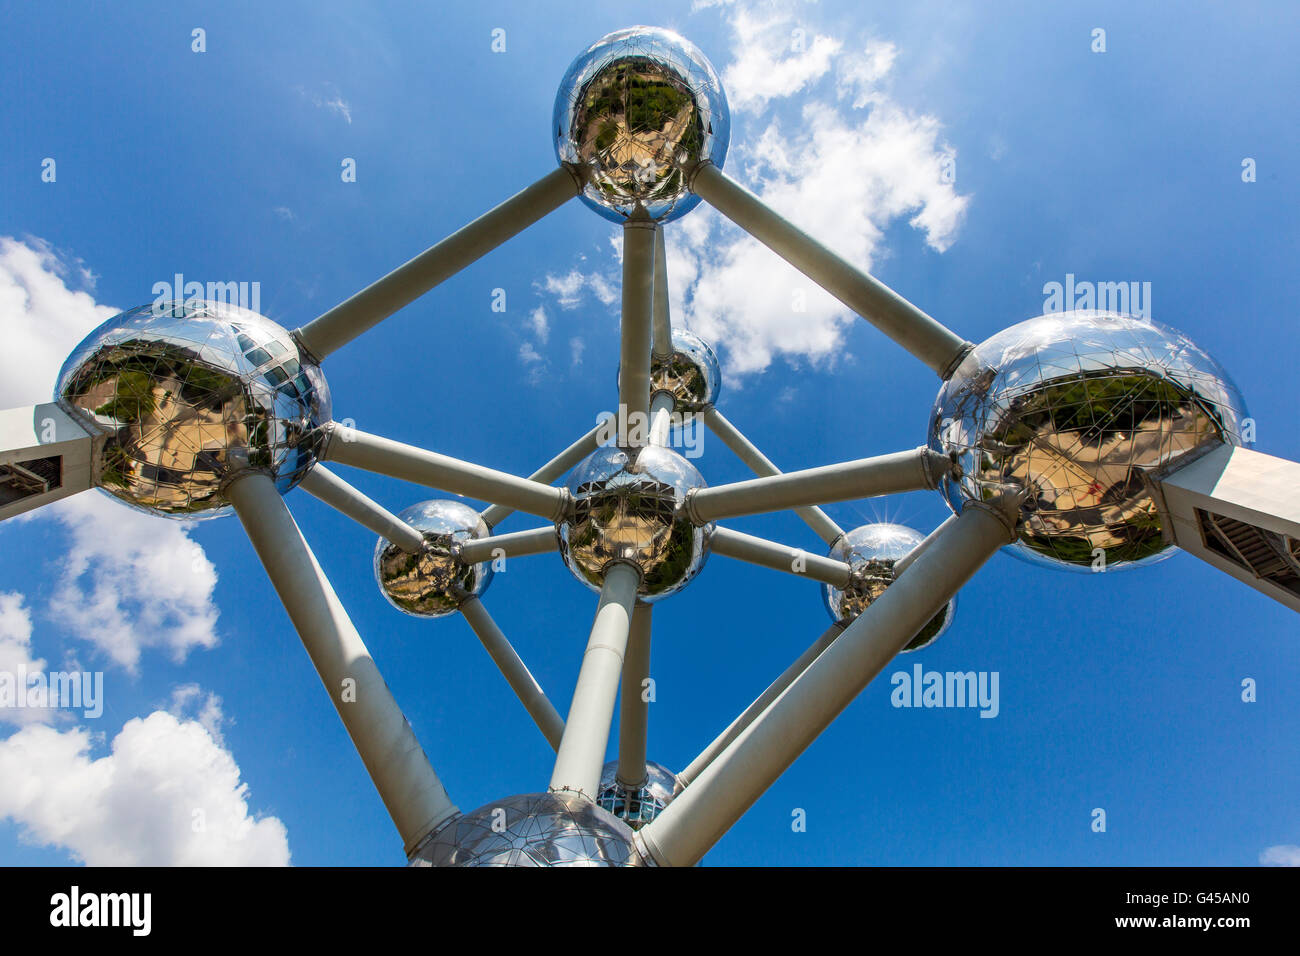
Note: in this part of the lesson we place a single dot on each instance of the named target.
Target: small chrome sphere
(533, 829)
(636, 806)
(628, 506)
(185, 395)
(872, 551)
(690, 374)
(635, 112)
(435, 582)
(1074, 408)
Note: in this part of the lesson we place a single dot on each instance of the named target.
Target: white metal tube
(581, 756)
(739, 775)
(742, 448)
(865, 478)
(773, 691)
(553, 469)
(517, 544)
(638, 309)
(412, 792)
(323, 484)
(341, 324)
(778, 557)
(514, 670)
(634, 710)
(928, 340)
(661, 418)
(903, 563)
(662, 333)
(386, 457)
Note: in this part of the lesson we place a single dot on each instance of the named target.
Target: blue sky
(1118, 691)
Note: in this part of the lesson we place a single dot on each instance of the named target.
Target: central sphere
(872, 551)
(435, 582)
(635, 113)
(628, 506)
(534, 829)
(186, 395)
(637, 806)
(1074, 407)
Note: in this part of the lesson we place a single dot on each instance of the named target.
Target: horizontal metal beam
(514, 545)
(396, 460)
(936, 346)
(865, 478)
(699, 815)
(555, 468)
(343, 323)
(517, 675)
(324, 485)
(742, 448)
(779, 557)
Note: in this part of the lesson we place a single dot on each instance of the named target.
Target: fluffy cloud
(129, 581)
(1282, 855)
(772, 56)
(16, 653)
(168, 794)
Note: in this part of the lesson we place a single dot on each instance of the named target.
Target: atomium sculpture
(1073, 440)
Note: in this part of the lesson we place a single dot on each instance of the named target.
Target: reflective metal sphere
(186, 395)
(534, 829)
(872, 551)
(690, 374)
(434, 582)
(636, 807)
(628, 507)
(1074, 406)
(635, 112)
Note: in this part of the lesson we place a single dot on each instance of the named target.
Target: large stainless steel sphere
(187, 394)
(1074, 407)
(690, 374)
(872, 551)
(435, 582)
(628, 506)
(534, 829)
(636, 806)
(635, 112)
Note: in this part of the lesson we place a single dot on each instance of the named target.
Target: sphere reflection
(872, 551)
(628, 507)
(187, 394)
(690, 374)
(435, 582)
(1075, 407)
(533, 829)
(636, 806)
(635, 112)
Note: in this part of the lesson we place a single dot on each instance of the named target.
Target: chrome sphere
(635, 112)
(690, 374)
(628, 507)
(872, 551)
(435, 582)
(185, 395)
(636, 806)
(534, 829)
(1074, 407)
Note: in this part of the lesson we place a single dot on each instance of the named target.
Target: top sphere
(1074, 407)
(635, 112)
(189, 393)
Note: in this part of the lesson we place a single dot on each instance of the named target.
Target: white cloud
(42, 319)
(569, 289)
(772, 57)
(329, 100)
(206, 707)
(1281, 855)
(540, 323)
(576, 347)
(131, 581)
(168, 794)
(16, 654)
